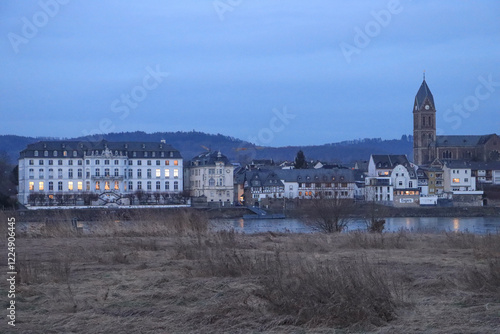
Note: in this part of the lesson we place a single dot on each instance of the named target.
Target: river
(477, 225)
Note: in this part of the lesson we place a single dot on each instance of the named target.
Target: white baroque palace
(53, 171)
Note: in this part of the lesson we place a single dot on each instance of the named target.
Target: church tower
(424, 125)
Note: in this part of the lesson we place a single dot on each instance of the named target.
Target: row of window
(51, 162)
(323, 185)
(55, 153)
(70, 162)
(105, 185)
(97, 173)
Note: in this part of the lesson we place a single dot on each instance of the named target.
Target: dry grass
(171, 275)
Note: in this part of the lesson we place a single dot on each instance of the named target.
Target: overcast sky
(276, 73)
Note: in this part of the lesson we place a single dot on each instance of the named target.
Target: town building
(427, 146)
(62, 172)
(210, 175)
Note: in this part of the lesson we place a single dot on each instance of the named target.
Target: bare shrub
(329, 215)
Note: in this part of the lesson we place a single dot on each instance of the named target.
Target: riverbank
(124, 214)
(170, 274)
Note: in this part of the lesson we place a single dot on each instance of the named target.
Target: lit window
(158, 172)
(167, 172)
(65, 153)
(176, 163)
(32, 186)
(456, 180)
(176, 172)
(80, 185)
(167, 162)
(98, 185)
(117, 186)
(70, 185)
(106, 185)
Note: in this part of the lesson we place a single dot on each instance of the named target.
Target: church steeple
(424, 124)
(423, 95)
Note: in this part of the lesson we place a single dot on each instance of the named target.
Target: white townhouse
(210, 174)
(458, 177)
(52, 171)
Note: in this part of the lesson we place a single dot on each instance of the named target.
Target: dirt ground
(201, 282)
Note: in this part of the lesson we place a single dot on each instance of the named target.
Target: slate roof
(390, 160)
(474, 165)
(316, 175)
(87, 147)
(424, 93)
(208, 159)
(460, 141)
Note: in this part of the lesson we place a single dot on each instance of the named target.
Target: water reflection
(478, 225)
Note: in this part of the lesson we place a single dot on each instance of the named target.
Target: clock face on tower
(427, 107)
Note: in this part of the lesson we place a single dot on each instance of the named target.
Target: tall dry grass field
(170, 274)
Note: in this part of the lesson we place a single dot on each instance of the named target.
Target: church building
(427, 146)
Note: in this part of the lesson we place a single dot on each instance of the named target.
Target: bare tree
(374, 217)
(329, 215)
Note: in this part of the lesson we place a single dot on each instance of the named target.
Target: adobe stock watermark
(265, 136)
(128, 101)
(471, 103)
(373, 28)
(30, 27)
(223, 6)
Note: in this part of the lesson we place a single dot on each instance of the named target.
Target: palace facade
(52, 171)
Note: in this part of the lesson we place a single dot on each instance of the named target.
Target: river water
(477, 225)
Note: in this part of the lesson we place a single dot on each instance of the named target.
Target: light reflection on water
(478, 225)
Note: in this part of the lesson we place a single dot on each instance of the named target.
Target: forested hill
(192, 143)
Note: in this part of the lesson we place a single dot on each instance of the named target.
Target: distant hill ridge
(192, 143)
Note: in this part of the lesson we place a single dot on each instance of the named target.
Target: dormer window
(35, 153)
